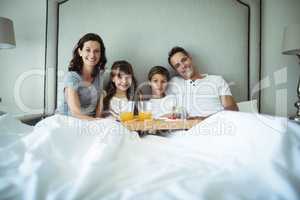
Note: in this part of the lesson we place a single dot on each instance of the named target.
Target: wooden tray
(150, 125)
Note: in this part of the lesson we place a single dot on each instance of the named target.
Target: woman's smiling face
(90, 53)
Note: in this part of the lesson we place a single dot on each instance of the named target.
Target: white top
(163, 105)
(199, 97)
(88, 95)
(118, 105)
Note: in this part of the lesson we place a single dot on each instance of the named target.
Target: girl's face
(122, 81)
(158, 84)
(90, 53)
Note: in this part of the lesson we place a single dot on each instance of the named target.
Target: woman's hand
(74, 104)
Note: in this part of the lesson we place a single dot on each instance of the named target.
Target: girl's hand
(114, 114)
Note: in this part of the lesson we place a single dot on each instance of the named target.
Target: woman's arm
(74, 104)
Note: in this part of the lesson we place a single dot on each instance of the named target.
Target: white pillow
(248, 106)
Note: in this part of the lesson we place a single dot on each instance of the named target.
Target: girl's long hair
(110, 88)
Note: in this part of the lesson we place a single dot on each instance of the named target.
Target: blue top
(88, 95)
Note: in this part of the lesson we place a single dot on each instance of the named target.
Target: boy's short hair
(158, 70)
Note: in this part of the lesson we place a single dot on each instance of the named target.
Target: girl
(82, 84)
(120, 89)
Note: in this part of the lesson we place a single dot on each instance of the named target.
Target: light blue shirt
(88, 95)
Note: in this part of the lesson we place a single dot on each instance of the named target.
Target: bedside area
(26, 119)
(31, 119)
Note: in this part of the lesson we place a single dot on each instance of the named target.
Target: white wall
(142, 32)
(27, 58)
(29, 23)
(280, 72)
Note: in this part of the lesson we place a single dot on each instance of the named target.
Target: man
(199, 94)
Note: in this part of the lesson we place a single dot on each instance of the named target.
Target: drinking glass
(126, 110)
(145, 110)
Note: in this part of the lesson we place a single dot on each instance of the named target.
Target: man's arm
(229, 103)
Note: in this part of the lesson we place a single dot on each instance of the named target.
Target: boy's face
(158, 84)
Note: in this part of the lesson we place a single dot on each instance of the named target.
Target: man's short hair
(175, 50)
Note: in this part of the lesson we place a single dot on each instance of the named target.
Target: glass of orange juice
(126, 111)
(145, 110)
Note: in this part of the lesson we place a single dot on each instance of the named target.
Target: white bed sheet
(66, 158)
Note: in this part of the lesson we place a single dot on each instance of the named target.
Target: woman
(82, 84)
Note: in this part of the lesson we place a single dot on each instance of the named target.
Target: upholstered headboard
(222, 35)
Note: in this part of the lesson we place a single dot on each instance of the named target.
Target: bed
(231, 155)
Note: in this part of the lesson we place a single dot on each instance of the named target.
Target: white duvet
(230, 155)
